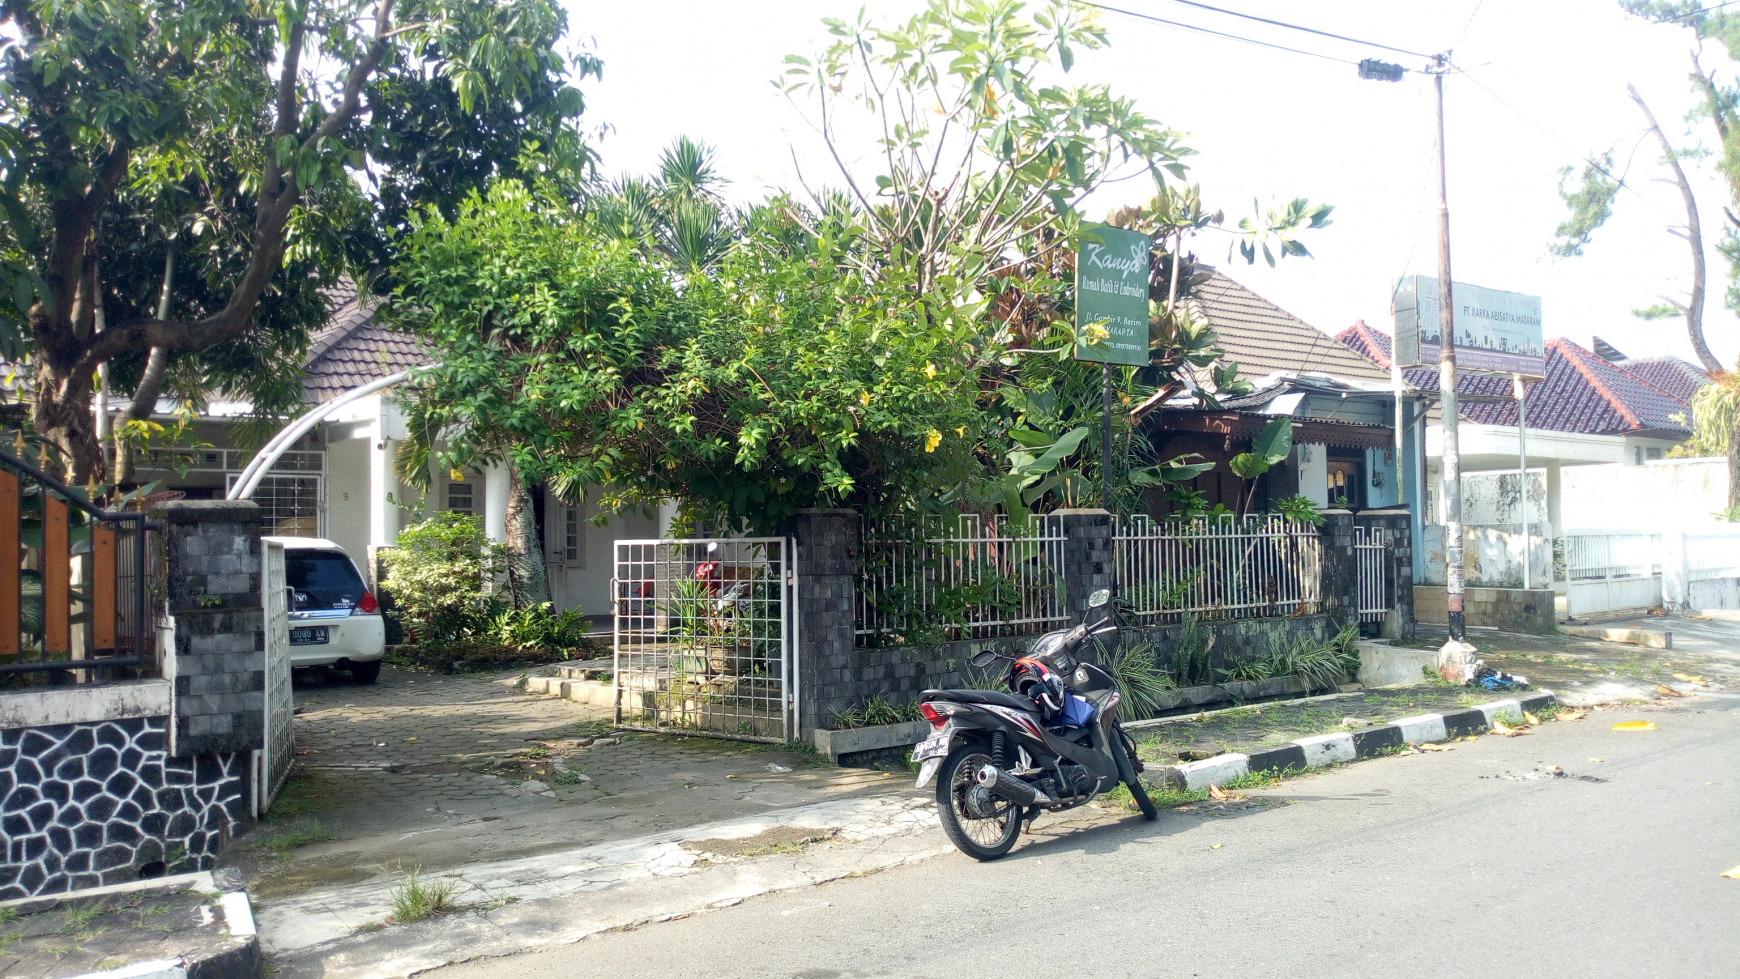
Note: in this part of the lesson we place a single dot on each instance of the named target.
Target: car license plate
(312, 635)
(932, 747)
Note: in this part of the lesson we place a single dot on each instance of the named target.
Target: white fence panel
(1609, 571)
(958, 576)
(1224, 568)
(272, 765)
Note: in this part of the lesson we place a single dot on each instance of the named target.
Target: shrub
(538, 629)
(1140, 680)
(437, 575)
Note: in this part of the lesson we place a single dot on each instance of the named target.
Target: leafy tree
(234, 133)
(1591, 201)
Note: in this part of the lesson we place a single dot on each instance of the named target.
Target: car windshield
(322, 579)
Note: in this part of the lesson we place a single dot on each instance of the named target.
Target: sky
(1543, 83)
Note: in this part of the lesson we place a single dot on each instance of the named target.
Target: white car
(334, 621)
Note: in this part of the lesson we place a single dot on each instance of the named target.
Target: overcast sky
(1544, 83)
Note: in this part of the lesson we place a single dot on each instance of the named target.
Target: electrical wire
(1210, 31)
(1702, 10)
(1308, 30)
(1470, 23)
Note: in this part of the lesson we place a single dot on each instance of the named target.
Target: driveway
(430, 771)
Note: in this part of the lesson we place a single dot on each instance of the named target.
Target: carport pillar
(825, 543)
(495, 501)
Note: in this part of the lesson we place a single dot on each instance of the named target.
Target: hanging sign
(1495, 331)
(1111, 296)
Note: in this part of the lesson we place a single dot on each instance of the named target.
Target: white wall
(347, 494)
(1671, 493)
(1312, 462)
(1493, 499)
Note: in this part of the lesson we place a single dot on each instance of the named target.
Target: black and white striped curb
(1345, 746)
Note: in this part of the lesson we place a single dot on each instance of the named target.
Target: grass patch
(1393, 749)
(74, 919)
(305, 793)
(567, 776)
(292, 837)
(417, 898)
(8, 915)
(1165, 798)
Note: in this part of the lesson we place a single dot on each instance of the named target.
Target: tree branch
(1694, 232)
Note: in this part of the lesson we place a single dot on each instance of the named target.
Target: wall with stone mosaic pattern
(103, 802)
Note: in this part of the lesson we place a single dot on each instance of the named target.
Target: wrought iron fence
(1372, 585)
(73, 579)
(958, 576)
(1224, 568)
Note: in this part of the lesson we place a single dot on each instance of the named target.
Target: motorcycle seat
(991, 697)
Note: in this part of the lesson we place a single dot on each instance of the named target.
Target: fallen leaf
(1733, 874)
(1431, 746)
(1634, 726)
(410, 739)
(1555, 770)
(1667, 691)
(730, 776)
(1219, 845)
(1699, 679)
(1574, 715)
(1500, 728)
(1530, 719)
(1219, 794)
(1597, 760)
(1182, 809)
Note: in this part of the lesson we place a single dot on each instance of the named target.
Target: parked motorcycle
(1000, 759)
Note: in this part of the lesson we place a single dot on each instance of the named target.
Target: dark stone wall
(827, 549)
(1399, 524)
(84, 805)
(208, 556)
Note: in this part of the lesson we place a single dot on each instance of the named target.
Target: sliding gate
(705, 637)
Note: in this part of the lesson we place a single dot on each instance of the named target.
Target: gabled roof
(1266, 339)
(1670, 374)
(353, 349)
(1581, 392)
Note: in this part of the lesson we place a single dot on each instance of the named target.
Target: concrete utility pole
(1456, 659)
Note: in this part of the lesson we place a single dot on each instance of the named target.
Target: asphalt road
(1472, 861)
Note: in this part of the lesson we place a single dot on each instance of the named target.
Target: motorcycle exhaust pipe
(1005, 786)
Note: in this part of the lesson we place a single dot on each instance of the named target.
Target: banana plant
(1268, 447)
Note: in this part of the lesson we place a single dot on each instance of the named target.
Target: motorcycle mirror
(1099, 597)
(983, 658)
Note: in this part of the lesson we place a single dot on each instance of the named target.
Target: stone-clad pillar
(1340, 572)
(207, 566)
(827, 579)
(1087, 556)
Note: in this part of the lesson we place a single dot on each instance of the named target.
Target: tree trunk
(1734, 459)
(62, 414)
(150, 382)
(528, 585)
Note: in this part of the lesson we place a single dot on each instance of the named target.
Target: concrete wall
(347, 495)
(1672, 493)
(1510, 609)
(1491, 556)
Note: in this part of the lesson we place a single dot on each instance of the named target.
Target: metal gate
(272, 765)
(705, 636)
(1371, 546)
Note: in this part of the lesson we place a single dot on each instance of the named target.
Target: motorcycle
(1000, 759)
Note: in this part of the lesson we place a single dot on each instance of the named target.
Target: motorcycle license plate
(932, 747)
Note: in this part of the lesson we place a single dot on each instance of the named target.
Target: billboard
(1495, 331)
(1111, 296)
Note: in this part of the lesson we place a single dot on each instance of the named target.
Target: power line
(1214, 33)
(1701, 10)
(1471, 15)
(1308, 30)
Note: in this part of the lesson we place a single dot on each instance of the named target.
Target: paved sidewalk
(428, 771)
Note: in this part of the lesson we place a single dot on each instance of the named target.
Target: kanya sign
(1111, 296)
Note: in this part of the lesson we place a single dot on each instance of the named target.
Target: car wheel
(367, 672)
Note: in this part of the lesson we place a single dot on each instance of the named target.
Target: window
(1654, 454)
(291, 505)
(322, 579)
(573, 538)
(1637, 455)
(459, 498)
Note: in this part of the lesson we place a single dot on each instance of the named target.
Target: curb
(1341, 747)
(1637, 637)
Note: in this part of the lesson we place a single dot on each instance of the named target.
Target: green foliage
(1193, 659)
(1657, 311)
(1590, 203)
(417, 898)
(1317, 663)
(1713, 419)
(1300, 509)
(537, 629)
(437, 574)
(1140, 681)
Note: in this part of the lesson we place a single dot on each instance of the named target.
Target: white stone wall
(1672, 493)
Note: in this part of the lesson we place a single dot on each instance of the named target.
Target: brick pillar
(1340, 576)
(827, 579)
(1087, 556)
(208, 575)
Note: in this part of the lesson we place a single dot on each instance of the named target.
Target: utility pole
(1456, 658)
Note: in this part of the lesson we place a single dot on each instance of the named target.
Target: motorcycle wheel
(1133, 781)
(979, 826)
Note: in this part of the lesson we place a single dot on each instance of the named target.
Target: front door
(565, 556)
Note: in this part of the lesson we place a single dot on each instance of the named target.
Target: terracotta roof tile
(1670, 374)
(1264, 338)
(352, 349)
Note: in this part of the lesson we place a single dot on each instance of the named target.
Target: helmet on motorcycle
(1037, 682)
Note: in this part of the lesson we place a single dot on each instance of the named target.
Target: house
(338, 481)
(1343, 406)
(1588, 409)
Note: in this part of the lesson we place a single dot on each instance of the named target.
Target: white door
(565, 555)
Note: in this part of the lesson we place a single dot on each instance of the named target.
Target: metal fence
(957, 576)
(1710, 556)
(1374, 591)
(1611, 555)
(1224, 568)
